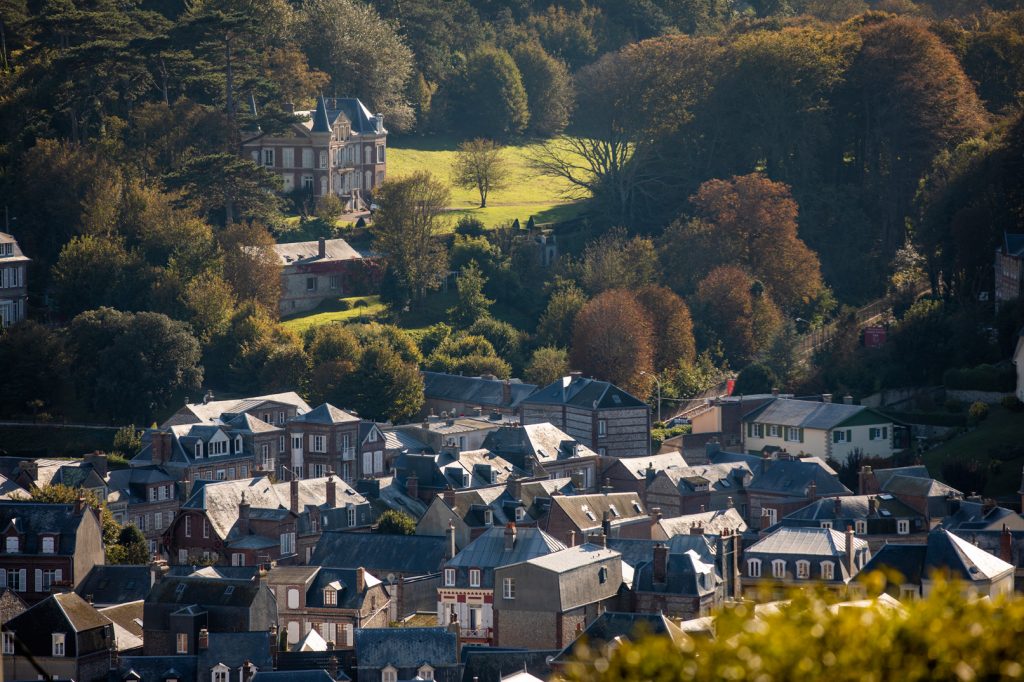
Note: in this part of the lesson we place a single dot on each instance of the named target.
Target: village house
(546, 601)
(879, 519)
(911, 570)
(914, 487)
(62, 634)
(546, 450)
(612, 627)
(322, 441)
(717, 522)
(575, 518)
(339, 149)
(791, 557)
(13, 281)
(1009, 268)
(454, 394)
(721, 418)
(598, 414)
(88, 473)
(276, 409)
(47, 546)
(147, 497)
(821, 429)
(426, 475)
(468, 588)
(393, 654)
(632, 474)
(313, 272)
(450, 431)
(242, 523)
(334, 602)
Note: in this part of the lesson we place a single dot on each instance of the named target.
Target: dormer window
(474, 577)
(48, 545)
(199, 450)
(58, 639)
(803, 569)
(389, 674)
(330, 596)
(520, 513)
(753, 568)
(778, 568)
(12, 544)
(238, 444)
(488, 517)
(425, 672)
(220, 673)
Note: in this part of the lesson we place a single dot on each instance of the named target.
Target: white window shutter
(39, 580)
(58, 575)
(24, 580)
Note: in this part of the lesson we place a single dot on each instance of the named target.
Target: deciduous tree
(613, 339)
(471, 303)
(547, 364)
(731, 308)
(479, 165)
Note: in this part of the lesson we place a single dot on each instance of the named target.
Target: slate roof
(823, 542)
(944, 553)
(806, 413)
(585, 393)
(1013, 244)
(329, 109)
(714, 522)
(489, 664)
(211, 411)
(488, 550)
(918, 487)
(293, 675)
(392, 496)
(115, 584)
(852, 508)
(545, 442)
(235, 648)
(300, 253)
(637, 552)
(687, 574)
(157, 668)
(344, 581)
(638, 466)
(34, 518)
(405, 647)
(246, 423)
(404, 442)
(326, 414)
(17, 255)
(205, 591)
(127, 620)
(66, 608)
(408, 555)
(610, 625)
(488, 393)
(586, 512)
(975, 516)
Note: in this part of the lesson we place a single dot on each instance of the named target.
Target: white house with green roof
(820, 429)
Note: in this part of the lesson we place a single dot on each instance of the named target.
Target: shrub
(977, 412)
(361, 303)
(1012, 403)
(954, 405)
(996, 378)
(344, 304)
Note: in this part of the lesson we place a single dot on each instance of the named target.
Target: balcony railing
(480, 633)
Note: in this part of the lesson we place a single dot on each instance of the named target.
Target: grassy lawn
(334, 311)
(528, 193)
(1002, 433)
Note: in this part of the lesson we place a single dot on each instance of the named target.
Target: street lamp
(658, 384)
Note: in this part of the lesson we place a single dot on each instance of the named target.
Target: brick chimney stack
(321, 248)
(360, 580)
(294, 490)
(243, 515)
(332, 492)
(660, 567)
(412, 486)
(606, 523)
(849, 551)
(1006, 545)
(510, 536)
(449, 533)
(449, 497)
(204, 639)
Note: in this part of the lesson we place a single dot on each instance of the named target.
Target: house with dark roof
(393, 654)
(116, 584)
(181, 613)
(127, 621)
(576, 518)
(328, 439)
(457, 395)
(425, 475)
(632, 474)
(598, 414)
(453, 432)
(821, 429)
(718, 522)
(327, 269)
(493, 664)
(544, 602)
(62, 634)
(337, 149)
(1009, 268)
(611, 626)
(273, 408)
(793, 557)
(221, 657)
(720, 418)
(876, 518)
(545, 450)
(147, 497)
(468, 588)
(913, 486)
(333, 602)
(409, 565)
(47, 546)
(13, 281)
(911, 571)
(242, 523)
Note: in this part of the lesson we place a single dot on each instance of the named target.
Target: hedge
(996, 378)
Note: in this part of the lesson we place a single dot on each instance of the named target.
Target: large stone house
(598, 414)
(46, 546)
(546, 450)
(574, 519)
(791, 557)
(312, 272)
(339, 149)
(454, 394)
(13, 282)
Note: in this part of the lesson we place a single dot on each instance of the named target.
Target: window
(389, 674)
(827, 570)
(288, 157)
(188, 526)
(351, 513)
(508, 588)
(803, 569)
(772, 514)
(6, 249)
(878, 433)
(199, 450)
(307, 183)
(152, 494)
(206, 528)
(425, 672)
(861, 527)
(50, 576)
(778, 568)
(602, 428)
(48, 545)
(839, 436)
(754, 568)
(317, 443)
(280, 417)
(311, 284)
(602, 575)
(449, 577)
(281, 444)
(378, 464)
(237, 559)
(307, 161)
(297, 442)
(330, 596)
(317, 470)
(268, 157)
(58, 643)
(773, 430)
(794, 434)
(220, 673)
(755, 430)
(8, 644)
(335, 282)
(826, 524)
(474, 577)
(182, 643)
(287, 543)
(380, 159)
(323, 159)
(293, 598)
(903, 526)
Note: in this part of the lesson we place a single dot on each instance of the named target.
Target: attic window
(12, 544)
(179, 590)
(590, 514)
(637, 508)
(330, 597)
(229, 590)
(613, 510)
(724, 483)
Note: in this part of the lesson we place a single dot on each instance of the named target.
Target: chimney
(701, 509)
(79, 505)
(506, 393)
(872, 505)
(697, 529)
(572, 538)
(812, 491)
(412, 486)
(1006, 545)
(449, 536)
(243, 515)
(510, 536)
(849, 550)
(332, 492)
(321, 248)
(599, 539)
(865, 481)
(455, 629)
(729, 504)
(607, 487)
(294, 489)
(449, 497)
(651, 472)
(766, 520)
(99, 463)
(837, 507)
(248, 671)
(656, 513)
(606, 523)
(660, 567)
(360, 580)
(157, 570)
(826, 397)
(515, 488)
(847, 399)
(204, 639)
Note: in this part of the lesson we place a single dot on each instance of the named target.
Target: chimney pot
(450, 540)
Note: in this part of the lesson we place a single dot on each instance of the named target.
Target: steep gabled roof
(203, 592)
(327, 414)
(377, 648)
(586, 512)
(944, 554)
(116, 584)
(211, 411)
(485, 392)
(611, 625)
(638, 466)
(823, 542)
(713, 522)
(806, 413)
(409, 555)
(584, 393)
(58, 611)
(976, 516)
(35, 518)
(488, 550)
